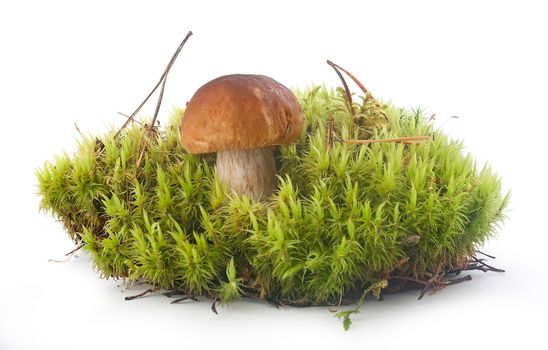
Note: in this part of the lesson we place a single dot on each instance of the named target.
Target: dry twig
(336, 67)
(346, 89)
(150, 290)
(160, 81)
(69, 255)
(330, 132)
(406, 140)
(440, 280)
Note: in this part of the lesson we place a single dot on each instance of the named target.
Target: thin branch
(410, 279)
(150, 290)
(491, 268)
(346, 89)
(140, 158)
(478, 267)
(433, 283)
(298, 303)
(458, 280)
(142, 147)
(69, 254)
(127, 116)
(77, 248)
(60, 260)
(213, 305)
(78, 129)
(171, 293)
(354, 79)
(487, 255)
(423, 292)
(159, 103)
(330, 132)
(406, 140)
(357, 82)
(186, 297)
(160, 81)
(338, 304)
(446, 121)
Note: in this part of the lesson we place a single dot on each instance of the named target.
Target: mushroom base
(251, 172)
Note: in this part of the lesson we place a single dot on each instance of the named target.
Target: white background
(69, 62)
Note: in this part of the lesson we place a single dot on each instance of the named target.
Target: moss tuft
(341, 221)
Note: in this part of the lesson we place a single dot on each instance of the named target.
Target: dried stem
(346, 89)
(410, 279)
(440, 280)
(171, 293)
(330, 137)
(213, 305)
(150, 290)
(69, 255)
(484, 254)
(405, 140)
(159, 103)
(140, 158)
(330, 132)
(161, 81)
(458, 280)
(78, 129)
(127, 116)
(489, 267)
(186, 297)
(360, 85)
(297, 303)
(77, 248)
(338, 304)
(435, 283)
(357, 82)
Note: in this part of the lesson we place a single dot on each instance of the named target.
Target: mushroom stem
(251, 172)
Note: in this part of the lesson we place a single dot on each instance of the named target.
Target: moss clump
(341, 221)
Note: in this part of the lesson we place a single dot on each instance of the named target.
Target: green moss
(341, 220)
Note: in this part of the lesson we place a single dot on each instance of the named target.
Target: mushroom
(241, 116)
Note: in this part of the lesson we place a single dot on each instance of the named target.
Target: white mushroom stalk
(251, 172)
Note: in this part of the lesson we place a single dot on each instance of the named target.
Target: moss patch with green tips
(345, 219)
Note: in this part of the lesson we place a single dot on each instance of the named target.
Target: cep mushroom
(241, 116)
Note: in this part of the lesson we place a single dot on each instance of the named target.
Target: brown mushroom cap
(240, 111)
